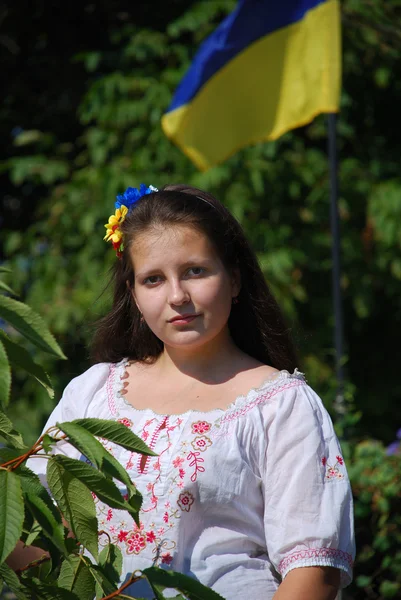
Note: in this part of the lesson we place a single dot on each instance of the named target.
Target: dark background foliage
(84, 87)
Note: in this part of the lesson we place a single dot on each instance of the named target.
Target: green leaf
(390, 589)
(11, 512)
(104, 488)
(76, 504)
(192, 588)
(30, 324)
(75, 575)
(20, 358)
(157, 590)
(117, 433)
(41, 591)
(111, 559)
(7, 454)
(5, 377)
(8, 432)
(5, 270)
(104, 586)
(94, 451)
(33, 533)
(48, 442)
(85, 442)
(12, 581)
(7, 288)
(51, 525)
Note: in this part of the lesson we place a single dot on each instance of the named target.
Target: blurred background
(85, 85)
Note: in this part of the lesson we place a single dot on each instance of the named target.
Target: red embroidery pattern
(195, 462)
(201, 443)
(143, 461)
(200, 427)
(185, 501)
(333, 472)
(137, 539)
(109, 387)
(125, 421)
(315, 553)
(135, 542)
(262, 398)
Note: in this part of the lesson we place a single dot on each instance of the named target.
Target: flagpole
(336, 270)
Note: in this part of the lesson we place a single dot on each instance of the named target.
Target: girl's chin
(187, 339)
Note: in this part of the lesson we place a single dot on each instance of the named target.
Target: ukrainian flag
(270, 66)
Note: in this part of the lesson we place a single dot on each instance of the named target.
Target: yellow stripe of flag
(279, 82)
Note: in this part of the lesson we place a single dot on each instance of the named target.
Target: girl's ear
(236, 282)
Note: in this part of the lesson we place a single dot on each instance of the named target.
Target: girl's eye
(151, 280)
(196, 271)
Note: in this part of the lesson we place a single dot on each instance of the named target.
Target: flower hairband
(123, 205)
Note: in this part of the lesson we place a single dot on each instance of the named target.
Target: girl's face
(181, 287)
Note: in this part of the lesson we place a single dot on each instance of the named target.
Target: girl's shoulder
(94, 376)
(275, 389)
(81, 389)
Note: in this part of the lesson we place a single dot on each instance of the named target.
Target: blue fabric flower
(132, 195)
(395, 447)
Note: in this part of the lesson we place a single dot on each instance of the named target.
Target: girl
(248, 491)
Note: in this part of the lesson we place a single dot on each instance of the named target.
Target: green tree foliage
(27, 513)
(21, 318)
(377, 492)
(83, 123)
(279, 191)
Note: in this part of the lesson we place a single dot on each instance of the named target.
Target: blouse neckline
(240, 400)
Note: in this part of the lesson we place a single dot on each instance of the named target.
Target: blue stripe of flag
(251, 20)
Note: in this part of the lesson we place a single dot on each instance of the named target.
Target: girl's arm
(310, 583)
(23, 555)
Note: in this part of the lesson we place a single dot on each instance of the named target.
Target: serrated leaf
(117, 433)
(5, 424)
(51, 525)
(33, 533)
(157, 590)
(8, 432)
(111, 560)
(30, 324)
(41, 591)
(19, 357)
(7, 454)
(41, 571)
(85, 442)
(76, 504)
(11, 512)
(68, 572)
(12, 581)
(90, 447)
(192, 588)
(104, 488)
(104, 586)
(75, 575)
(7, 288)
(5, 377)
(31, 485)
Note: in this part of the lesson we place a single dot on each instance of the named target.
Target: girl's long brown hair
(256, 323)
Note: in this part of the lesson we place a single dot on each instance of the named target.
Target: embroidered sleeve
(308, 501)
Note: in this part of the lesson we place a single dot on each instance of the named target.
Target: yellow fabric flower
(113, 231)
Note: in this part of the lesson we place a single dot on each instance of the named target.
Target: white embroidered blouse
(236, 498)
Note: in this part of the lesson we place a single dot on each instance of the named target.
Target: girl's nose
(178, 294)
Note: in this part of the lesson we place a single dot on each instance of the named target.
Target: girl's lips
(182, 320)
